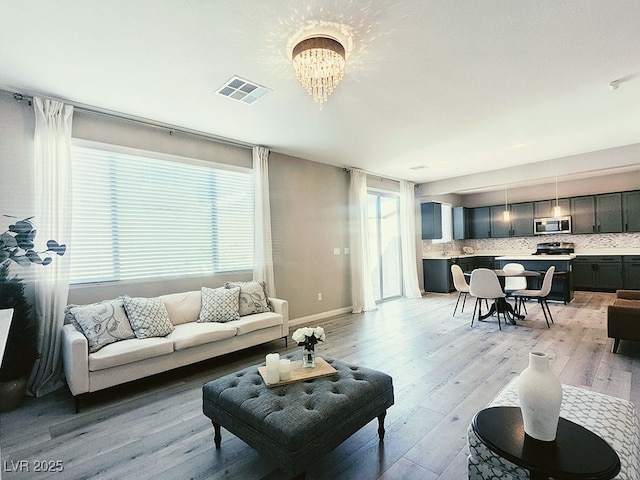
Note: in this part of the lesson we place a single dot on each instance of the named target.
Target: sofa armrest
(623, 322)
(75, 358)
(628, 294)
(282, 307)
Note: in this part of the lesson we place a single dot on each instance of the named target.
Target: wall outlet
(319, 297)
(336, 251)
(347, 251)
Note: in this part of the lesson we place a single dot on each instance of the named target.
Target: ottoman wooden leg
(381, 425)
(217, 437)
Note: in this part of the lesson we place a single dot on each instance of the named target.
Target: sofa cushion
(183, 307)
(219, 304)
(253, 297)
(621, 302)
(103, 323)
(193, 334)
(129, 351)
(251, 323)
(148, 317)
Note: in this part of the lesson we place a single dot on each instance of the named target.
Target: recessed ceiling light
(518, 145)
(242, 90)
(418, 167)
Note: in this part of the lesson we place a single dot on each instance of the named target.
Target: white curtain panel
(262, 249)
(52, 156)
(408, 240)
(361, 287)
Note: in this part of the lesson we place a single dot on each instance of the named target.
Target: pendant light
(506, 215)
(557, 211)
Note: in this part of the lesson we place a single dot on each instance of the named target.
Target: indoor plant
(17, 245)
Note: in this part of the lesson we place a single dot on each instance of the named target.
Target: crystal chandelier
(319, 64)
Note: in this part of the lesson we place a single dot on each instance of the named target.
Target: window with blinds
(141, 216)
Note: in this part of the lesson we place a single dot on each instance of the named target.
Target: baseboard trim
(319, 316)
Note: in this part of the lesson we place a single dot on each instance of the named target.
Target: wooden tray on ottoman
(299, 374)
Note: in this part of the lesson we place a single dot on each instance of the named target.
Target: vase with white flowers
(307, 338)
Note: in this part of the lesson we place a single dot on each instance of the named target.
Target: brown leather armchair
(623, 317)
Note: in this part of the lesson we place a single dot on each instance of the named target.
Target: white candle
(273, 368)
(285, 369)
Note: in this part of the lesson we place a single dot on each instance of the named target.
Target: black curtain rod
(142, 121)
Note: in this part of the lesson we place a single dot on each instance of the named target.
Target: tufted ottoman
(612, 418)
(297, 423)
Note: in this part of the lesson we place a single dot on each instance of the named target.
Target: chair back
(512, 284)
(458, 279)
(485, 284)
(546, 282)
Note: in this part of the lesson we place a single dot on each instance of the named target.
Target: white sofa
(189, 342)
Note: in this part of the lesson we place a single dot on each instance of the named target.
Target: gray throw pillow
(253, 297)
(148, 317)
(102, 323)
(219, 304)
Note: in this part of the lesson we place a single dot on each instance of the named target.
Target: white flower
(309, 335)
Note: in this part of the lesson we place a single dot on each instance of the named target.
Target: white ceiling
(455, 87)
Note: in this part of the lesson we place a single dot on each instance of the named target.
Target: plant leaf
(53, 246)
(46, 261)
(33, 256)
(8, 239)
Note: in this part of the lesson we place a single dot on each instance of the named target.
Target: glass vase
(308, 356)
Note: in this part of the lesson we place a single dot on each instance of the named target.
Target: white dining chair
(461, 285)
(511, 284)
(541, 295)
(485, 285)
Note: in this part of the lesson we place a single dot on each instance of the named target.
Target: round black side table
(576, 453)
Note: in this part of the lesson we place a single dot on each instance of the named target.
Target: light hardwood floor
(443, 372)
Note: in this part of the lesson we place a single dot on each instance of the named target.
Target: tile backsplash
(583, 243)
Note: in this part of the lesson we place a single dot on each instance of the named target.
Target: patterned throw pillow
(219, 304)
(148, 317)
(253, 297)
(102, 323)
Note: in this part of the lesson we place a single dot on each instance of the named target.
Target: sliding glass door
(384, 245)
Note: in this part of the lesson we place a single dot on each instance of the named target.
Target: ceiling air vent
(242, 90)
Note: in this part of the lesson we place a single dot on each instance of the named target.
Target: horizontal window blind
(140, 217)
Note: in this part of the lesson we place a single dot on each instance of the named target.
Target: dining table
(502, 305)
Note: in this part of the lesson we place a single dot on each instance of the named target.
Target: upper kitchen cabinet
(499, 227)
(544, 208)
(631, 211)
(597, 213)
(520, 223)
(461, 225)
(522, 219)
(431, 214)
(480, 222)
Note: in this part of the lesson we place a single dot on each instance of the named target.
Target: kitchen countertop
(537, 257)
(529, 254)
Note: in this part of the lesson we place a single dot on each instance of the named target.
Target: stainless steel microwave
(547, 226)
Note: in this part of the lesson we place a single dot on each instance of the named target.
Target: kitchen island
(562, 286)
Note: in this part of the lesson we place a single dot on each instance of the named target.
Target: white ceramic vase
(540, 396)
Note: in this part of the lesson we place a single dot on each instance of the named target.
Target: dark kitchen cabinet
(437, 275)
(597, 213)
(522, 219)
(583, 215)
(480, 222)
(461, 226)
(544, 208)
(631, 211)
(609, 213)
(520, 223)
(431, 214)
(499, 227)
(631, 270)
(598, 273)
